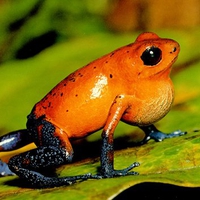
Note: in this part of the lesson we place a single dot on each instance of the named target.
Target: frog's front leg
(107, 150)
(151, 132)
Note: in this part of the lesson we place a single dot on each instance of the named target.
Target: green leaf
(175, 161)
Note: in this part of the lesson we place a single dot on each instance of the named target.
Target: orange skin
(146, 91)
(130, 84)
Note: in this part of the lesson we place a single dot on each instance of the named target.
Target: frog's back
(80, 103)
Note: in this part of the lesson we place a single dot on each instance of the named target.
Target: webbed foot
(116, 173)
(37, 180)
(151, 132)
(4, 169)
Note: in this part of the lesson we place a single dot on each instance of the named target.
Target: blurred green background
(41, 42)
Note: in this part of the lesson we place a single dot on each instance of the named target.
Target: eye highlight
(151, 56)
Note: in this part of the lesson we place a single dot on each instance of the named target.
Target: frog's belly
(153, 112)
(149, 111)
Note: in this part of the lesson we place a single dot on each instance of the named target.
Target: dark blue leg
(151, 132)
(53, 149)
(4, 170)
(107, 160)
(14, 140)
(29, 164)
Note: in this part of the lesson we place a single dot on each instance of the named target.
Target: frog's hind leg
(4, 169)
(15, 140)
(11, 141)
(151, 132)
(28, 165)
(53, 149)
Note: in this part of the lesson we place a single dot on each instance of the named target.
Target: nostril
(174, 50)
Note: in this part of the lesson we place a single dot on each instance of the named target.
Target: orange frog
(130, 84)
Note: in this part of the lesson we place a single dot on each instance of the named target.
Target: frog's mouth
(168, 67)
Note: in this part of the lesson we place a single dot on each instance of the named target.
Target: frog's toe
(159, 136)
(117, 173)
(4, 169)
(151, 132)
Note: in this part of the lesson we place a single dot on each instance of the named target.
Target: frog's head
(154, 55)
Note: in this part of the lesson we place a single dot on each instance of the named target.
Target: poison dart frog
(130, 84)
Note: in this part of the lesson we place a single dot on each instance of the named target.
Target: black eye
(151, 56)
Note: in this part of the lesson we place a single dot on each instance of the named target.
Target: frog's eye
(151, 56)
